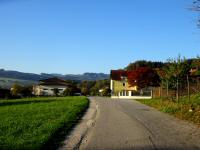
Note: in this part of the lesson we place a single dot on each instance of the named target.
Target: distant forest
(144, 63)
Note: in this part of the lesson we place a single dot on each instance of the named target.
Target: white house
(46, 87)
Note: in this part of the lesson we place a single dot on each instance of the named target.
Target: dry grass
(184, 109)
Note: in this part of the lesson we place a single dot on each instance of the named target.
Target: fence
(184, 89)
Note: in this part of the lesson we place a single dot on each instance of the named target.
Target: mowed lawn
(38, 123)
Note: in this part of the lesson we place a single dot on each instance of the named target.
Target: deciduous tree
(179, 68)
(16, 90)
(143, 77)
(56, 91)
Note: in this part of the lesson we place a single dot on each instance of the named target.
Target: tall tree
(165, 76)
(178, 68)
(143, 77)
(16, 90)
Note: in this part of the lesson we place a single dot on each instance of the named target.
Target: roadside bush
(68, 92)
(18, 91)
(56, 91)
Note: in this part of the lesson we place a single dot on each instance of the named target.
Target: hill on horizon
(10, 77)
(36, 77)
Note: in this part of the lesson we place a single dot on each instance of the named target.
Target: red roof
(118, 74)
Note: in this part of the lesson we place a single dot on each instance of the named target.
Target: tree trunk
(167, 89)
(188, 85)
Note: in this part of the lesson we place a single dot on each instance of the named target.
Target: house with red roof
(120, 87)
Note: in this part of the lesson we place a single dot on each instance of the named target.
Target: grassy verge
(181, 109)
(38, 123)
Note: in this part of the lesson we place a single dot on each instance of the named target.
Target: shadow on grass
(25, 102)
(59, 136)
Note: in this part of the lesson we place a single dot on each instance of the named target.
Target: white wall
(131, 97)
(47, 90)
(111, 84)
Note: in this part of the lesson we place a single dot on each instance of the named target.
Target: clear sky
(77, 36)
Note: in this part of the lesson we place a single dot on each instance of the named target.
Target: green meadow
(38, 123)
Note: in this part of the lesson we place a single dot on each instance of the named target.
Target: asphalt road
(128, 124)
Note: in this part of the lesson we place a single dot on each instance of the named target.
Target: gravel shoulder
(75, 138)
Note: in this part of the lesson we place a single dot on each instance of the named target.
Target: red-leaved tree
(143, 77)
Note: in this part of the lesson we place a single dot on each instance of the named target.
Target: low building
(47, 87)
(120, 88)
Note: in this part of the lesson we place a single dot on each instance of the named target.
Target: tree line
(172, 74)
(87, 88)
(95, 88)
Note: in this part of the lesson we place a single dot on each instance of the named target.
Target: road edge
(74, 139)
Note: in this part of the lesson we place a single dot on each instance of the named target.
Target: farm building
(46, 87)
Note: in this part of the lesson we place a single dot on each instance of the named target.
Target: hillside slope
(37, 77)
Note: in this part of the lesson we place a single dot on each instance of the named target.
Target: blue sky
(77, 36)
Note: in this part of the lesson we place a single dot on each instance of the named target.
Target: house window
(124, 84)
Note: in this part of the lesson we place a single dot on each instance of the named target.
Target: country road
(128, 124)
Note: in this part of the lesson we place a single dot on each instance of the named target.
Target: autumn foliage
(143, 77)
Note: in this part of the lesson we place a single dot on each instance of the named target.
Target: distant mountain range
(37, 77)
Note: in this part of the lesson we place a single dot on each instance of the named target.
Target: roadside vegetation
(184, 109)
(93, 88)
(38, 123)
(177, 90)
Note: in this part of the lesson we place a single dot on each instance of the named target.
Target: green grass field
(179, 109)
(38, 123)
